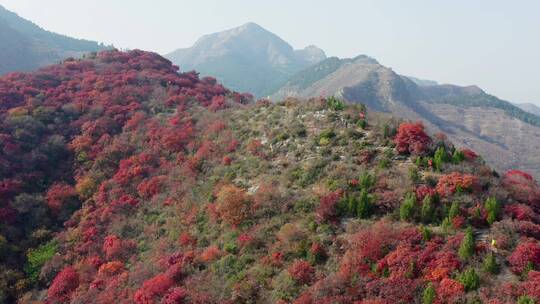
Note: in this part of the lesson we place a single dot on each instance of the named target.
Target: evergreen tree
(406, 210)
(490, 264)
(470, 279)
(427, 209)
(493, 209)
(429, 294)
(454, 210)
(466, 249)
(364, 204)
(439, 158)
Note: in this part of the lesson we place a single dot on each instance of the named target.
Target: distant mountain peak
(246, 58)
(251, 26)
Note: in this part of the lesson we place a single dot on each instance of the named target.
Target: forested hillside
(124, 181)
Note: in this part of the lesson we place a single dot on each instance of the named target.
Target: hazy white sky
(494, 44)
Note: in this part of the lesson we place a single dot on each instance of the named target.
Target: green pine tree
(406, 210)
(364, 204)
(454, 210)
(466, 249)
(493, 209)
(439, 158)
(427, 209)
(490, 264)
(470, 279)
(429, 294)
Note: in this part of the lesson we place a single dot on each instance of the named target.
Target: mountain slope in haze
(26, 46)
(529, 107)
(507, 136)
(247, 58)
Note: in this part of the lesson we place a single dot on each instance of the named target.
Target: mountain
(504, 134)
(26, 46)
(247, 59)
(422, 82)
(529, 107)
(122, 180)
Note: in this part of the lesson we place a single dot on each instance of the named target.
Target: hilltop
(124, 181)
(26, 46)
(505, 134)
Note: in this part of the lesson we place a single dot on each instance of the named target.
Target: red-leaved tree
(412, 139)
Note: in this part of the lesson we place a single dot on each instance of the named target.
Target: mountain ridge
(26, 46)
(382, 89)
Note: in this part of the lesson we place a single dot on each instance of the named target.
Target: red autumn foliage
(175, 296)
(450, 183)
(61, 196)
(150, 187)
(63, 285)
(153, 289)
(412, 139)
(469, 154)
(526, 252)
(327, 209)
(211, 253)
(449, 291)
(423, 190)
(116, 248)
(233, 204)
(301, 271)
(531, 286)
(521, 212)
(523, 188)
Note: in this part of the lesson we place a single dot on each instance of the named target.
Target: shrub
(301, 271)
(63, 285)
(525, 255)
(335, 103)
(152, 289)
(233, 204)
(175, 296)
(449, 290)
(522, 187)
(412, 139)
(455, 182)
(366, 180)
(327, 209)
